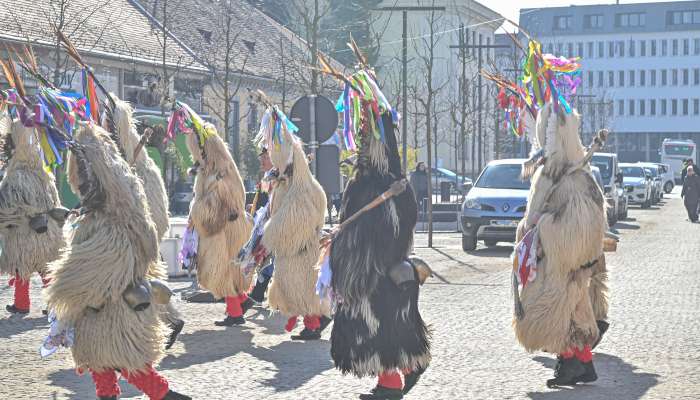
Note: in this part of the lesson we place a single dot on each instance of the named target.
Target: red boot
(21, 299)
(389, 387)
(234, 312)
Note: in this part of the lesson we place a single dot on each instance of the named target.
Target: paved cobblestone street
(652, 350)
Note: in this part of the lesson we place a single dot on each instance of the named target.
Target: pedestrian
(292, 233)
(101, 285)
(378, 329)
(419, 182)
(262, 197)
(552, 307)
(686, 164)
(691, 193)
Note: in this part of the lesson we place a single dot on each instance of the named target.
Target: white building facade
(641, 69)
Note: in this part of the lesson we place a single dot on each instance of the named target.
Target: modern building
(641, 69)
(481, 24)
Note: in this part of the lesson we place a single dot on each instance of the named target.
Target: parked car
(611, 211)
(615, 196)
(658, 184)
(667, 177)
(445, 175)
(495, 205)
(637, 184)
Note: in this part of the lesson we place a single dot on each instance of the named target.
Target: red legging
(585, 355)
(233, 305)
(311, 322)
(149, 382)
(390, 380)
(21, 294)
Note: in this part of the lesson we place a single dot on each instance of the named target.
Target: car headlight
(472, 204)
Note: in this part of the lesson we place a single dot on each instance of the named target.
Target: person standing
(419, 182)
(262, 197)
(691, 193)
(688, 163)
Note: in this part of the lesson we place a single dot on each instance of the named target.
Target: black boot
(175, 396)
(602, 328)
(230, 321)
(258, 292)
(382, 393)
(14, 310)
(325, 321)
(567, 372)
(175, 329)
(246, 305)
(589, 375)
(307, 334)
(411, 379)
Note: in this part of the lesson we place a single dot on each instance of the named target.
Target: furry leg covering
(21, 297)
(106, 383)
(598, 290)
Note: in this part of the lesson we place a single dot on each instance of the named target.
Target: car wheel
(468, 243)
(490, 243)
(668, 187)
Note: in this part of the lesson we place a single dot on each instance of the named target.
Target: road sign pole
(313, 144)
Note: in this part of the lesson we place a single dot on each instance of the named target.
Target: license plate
(504, 222)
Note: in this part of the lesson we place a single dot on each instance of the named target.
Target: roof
(262, 43)
(102, 28)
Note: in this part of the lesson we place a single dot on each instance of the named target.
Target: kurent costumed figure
(132, 147)
(378, 329)
(33, 236)
(218, 215)
(101, 284)
(560, 245)
(297, 212)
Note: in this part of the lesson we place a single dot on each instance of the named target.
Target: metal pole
(312, 127)
(480, 138)
(404, 101)
(463, 38)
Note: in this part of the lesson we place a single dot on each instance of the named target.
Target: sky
(509, 10)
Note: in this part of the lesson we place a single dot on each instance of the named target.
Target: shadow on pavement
(611, 371)
(204, 346)
(624, 225)
(494, 251)
(288, 356)
(81, 386)
(455, 259)
(17, 324)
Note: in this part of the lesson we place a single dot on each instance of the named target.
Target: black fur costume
(378, 326)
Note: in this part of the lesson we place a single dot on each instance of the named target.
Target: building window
(642, 48)
(674, 107)
(696, 106)
(664, 48)
(652, 48)
(674, 77)
(569, 49)
(630, 19)
(601, 49)
(696, 76)
(696, 47)
(611, 78)
(589, 46)
(563, 22)
(642, 78)
(620, 107)
(685, 106)
(652, 107)
(559, 49)
(593, 21)
(632, 80)
(590, 81)
(630, 108)
(683, 17)
(642, 107)
(674, 47)
(686, 77)
(550, 48)
(621, 78)
(652, 77)
(686, 47)
(632, 49)
(579, 47)
(664, 77)
(664, 106)
(611, 49)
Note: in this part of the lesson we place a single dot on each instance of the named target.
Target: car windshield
(679, 149)
(632, 172)
(605, 166)
(502, 176)
(652, 171)
(447, 172)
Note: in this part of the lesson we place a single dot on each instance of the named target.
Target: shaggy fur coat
(114, 245)
(557, 307)
(27, 188)
(377, 326)
(145, 168)
(218, 215)
(297, 215)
